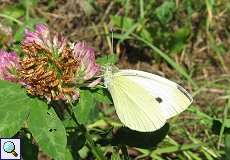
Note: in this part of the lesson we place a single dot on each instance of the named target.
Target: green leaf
(76, 139)
(179, 39)
(14, 108)
(227, 147)
(102, 95)
(107, 59)
(28, 24)
(165, 11)
(115, 156)
(122, 22)
(177, 47)
(28, 3)
(20, 33)
(217, 124)
(68, 155)
(145, 34)
(85, 110)
(48, 131)
(83, 153)
(181, 34)
(14, 11)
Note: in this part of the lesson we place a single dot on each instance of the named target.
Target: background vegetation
(184, 40)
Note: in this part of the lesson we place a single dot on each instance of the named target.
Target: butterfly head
(108, 72)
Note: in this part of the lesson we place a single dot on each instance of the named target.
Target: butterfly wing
(172, 98)
(135, 107)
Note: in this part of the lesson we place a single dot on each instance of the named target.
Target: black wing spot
(159, 100)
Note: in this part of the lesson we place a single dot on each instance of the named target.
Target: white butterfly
(144, 101)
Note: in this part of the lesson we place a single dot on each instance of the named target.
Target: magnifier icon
(9, 147)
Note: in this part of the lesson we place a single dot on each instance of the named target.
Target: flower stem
(95, 150)
(11, 18)
(125, 152)
(98, 153)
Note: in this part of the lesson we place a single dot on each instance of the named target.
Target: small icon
(9, 147)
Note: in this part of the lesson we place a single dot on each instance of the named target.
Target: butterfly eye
(159, 100)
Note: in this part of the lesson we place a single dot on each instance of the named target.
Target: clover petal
(9, 63)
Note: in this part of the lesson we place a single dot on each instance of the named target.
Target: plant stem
(125, 152)
(226, 109)
(95, 150)
(98, 153)
(11, 18)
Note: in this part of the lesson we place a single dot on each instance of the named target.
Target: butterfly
(144, 101)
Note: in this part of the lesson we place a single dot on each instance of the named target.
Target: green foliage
(165, 11)
(180, 37)
(115, 156)
(14, 11)
(12, 14)
(217, 124)
(107, 59)
(46, 129)
(227, 147)
(68, 155)
(15, 106)
(130, 26)
(145, 34)
(45, 126)
(29, 3)
(102, 95)
(122, 22)
(85, 109)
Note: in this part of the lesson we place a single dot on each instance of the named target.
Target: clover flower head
(52, 68)
(9, 63)
(86, 56)
(42, 37)
(48, 66)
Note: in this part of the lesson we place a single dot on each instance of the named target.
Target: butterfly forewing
(172, 98)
